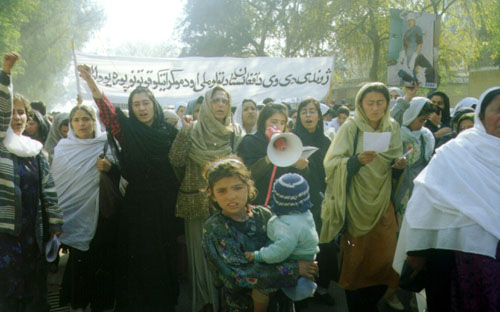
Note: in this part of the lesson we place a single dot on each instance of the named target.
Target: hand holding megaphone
(284, 149)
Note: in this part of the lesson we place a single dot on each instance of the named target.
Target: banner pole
(78, 89)
(330, 91)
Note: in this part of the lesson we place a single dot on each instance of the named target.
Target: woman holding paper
(357, 202)
(309, 129)
(29, 212)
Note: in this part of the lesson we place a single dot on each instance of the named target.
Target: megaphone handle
(269, 189)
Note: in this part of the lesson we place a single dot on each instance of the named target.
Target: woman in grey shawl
(58, 131)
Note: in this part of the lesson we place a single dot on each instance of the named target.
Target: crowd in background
(143, 197)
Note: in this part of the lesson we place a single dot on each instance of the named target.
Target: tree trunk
(376, 55)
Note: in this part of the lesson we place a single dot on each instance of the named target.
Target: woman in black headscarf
(309, 128)
(442, 101)
(37, 127)
(253, 151)
(147, 228)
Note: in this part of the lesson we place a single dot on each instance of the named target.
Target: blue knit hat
(290, 195)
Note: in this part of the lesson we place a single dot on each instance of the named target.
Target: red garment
(109, 117)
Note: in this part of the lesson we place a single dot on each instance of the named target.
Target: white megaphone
(284, 149)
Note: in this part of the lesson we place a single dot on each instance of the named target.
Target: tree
(356, 32)
(42, 31)
(250, 28)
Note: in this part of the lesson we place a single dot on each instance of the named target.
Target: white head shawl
(77, 185)
(398, 90)
(465, 102)
(238, 118)
(454, 205)
(408, 135)
(21, 145)
(179, 120)
(179, 105)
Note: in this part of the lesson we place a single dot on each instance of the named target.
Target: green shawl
(370, 191)
(211, 139)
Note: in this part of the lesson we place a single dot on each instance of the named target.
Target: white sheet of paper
(308, 151)
(376, 141)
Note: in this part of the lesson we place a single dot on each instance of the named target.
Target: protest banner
(179, 80)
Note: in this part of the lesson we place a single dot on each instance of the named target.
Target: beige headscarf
(210, 138)
(371, 187)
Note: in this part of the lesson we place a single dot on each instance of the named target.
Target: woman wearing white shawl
(421, 142)
(395, 93)
(55, 133)
(246, 115)
(453, 217)
(29, 213)
(180, 109)
(76, 167)
(471, 102)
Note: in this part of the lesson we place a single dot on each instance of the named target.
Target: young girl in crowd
(237, 227)
(292, 231)
(214, 135)
(421, 142)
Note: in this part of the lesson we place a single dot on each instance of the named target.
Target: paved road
(185, 303)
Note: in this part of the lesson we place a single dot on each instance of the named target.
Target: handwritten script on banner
(182, 79)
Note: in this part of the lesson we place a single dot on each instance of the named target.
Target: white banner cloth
(174, 80)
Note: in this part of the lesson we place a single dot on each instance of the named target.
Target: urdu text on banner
(177, 80)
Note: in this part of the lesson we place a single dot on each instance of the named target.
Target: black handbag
(110, 197)
(413, 283)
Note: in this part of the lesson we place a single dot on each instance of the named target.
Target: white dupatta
(77, 184)
(455, 202)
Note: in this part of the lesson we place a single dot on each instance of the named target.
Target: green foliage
(42, 31)
(255, 28)
(495, 44)
(354, 31)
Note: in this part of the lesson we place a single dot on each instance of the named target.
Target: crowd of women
(367, 218)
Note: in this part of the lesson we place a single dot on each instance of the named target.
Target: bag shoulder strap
(105, 148)
(348, 184)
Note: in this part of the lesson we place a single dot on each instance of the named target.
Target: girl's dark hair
(487, 101)
(426, 109)
(342, 110)
(158, 119)
(249, 100)
(267, 112)
(65, 122)
(39, 106)
(305, 102)
(229, 166)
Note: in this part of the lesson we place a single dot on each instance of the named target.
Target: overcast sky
(149, 21)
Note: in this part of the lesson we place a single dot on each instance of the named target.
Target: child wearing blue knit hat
(292, 231)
